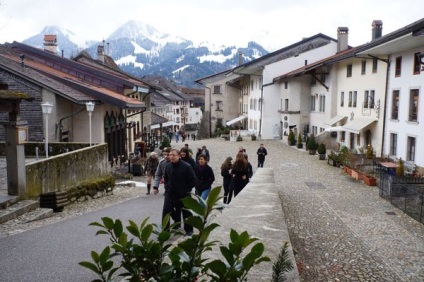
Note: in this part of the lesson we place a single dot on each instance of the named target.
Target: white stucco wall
(402, 127)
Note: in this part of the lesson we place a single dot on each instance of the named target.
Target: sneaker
(188, 234)
(148, 193)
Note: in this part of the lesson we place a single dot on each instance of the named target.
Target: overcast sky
(273, 24)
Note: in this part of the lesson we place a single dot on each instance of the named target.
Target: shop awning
(237, 119)
(165, 124)
(358, 124)
(334, 120)
(335, 128)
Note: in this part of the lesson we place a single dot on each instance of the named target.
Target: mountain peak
(134, 30)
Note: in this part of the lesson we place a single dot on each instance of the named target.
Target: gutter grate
(315, 185)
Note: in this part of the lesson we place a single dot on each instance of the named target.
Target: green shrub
(147, 258)
(299, 138)
(370, 152)
(291, 136)
(322, 149)
(312, 144)
(165, 143)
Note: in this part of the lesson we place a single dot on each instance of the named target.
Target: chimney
(101, 53)
(50, 43)
(240, 62)
(342, 38)
(377, 29)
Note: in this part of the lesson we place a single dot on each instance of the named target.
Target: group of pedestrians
(179, 173)
(236, 175)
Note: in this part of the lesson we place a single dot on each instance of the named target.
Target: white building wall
(271, 116)
(360, 83)
(402, 126)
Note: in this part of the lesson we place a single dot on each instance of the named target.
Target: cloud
(272, 23)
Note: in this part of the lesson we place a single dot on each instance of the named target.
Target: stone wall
(66, 171)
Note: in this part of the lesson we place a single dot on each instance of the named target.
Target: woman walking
(239, 174)
(185, 156)
(205, 177)
(225, 173)
(151, 165)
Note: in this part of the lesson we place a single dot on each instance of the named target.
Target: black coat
(261, 154)
(205, 178)
(180, 179)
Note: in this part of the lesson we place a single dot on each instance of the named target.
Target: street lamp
(90, 108)
(47, 110)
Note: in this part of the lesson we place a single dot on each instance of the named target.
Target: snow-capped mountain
(140, 49)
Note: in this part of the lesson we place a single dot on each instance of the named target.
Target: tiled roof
(157, 119)
(65, 84)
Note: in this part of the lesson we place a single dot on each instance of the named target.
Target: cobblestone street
(338, 227)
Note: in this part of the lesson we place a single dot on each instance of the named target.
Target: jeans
(204, 194)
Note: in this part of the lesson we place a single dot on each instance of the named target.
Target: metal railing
(404, 192)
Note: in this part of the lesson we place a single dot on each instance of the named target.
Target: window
(366, 93)
(312, 103)
(398, 66)
(281, 104)
(251, 103)
(410, 153)
(393, 144)
(369, 99)
(350, 98)
(286, 85)
(251, 85)
(358, 140)
(374, 65)
(349, 70)
(417, 64)
(342, 99)
(322, 103)
(255, 101)
(395, 104)
(217, 89)
(363, 67)
(286, 104)
(355, 98)
(218, 106)
(413, 105)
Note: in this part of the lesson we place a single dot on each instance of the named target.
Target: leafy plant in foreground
(158, 258)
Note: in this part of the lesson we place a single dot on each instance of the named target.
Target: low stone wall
(66, 171)
(55, 148)
(257, 209)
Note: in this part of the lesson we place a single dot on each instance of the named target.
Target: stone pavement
(339, 228)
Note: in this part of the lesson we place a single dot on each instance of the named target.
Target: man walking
(261, 155)
(160, 171)
(179, 179)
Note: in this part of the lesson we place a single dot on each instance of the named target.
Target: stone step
(7, 200)
(18, 209)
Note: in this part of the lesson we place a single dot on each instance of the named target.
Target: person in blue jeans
(205, 177)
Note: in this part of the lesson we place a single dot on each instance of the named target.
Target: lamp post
(90, 108)
(47, 110)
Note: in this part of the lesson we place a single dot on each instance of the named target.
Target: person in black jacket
(226, 176)
(179, 179)
(205, 177)
(240, 176)
(185, 156)
(261, 155)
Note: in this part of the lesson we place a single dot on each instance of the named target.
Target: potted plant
(299, 141)
(322, 151)
(290, 139)
(253, 137)
(333, 159)
(312, 145)
(400, 168)
(369, 154)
